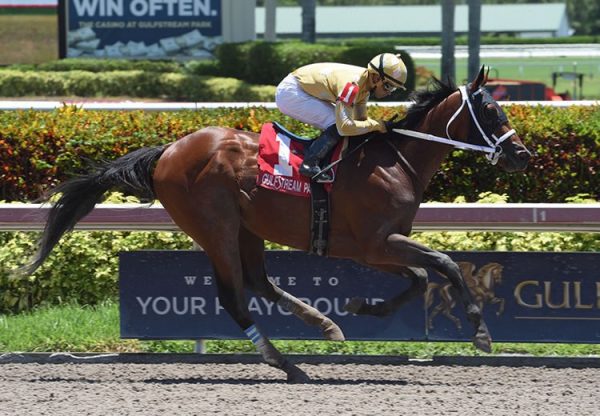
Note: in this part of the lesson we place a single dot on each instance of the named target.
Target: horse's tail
(131, 174)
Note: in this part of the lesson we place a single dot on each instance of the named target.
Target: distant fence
(430, 216)
(25, 4)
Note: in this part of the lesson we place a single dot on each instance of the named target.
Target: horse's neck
(426, 156)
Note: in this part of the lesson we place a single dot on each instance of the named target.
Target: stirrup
(309, 171)
(324, 176)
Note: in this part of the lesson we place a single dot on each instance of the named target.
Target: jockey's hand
(392, 123)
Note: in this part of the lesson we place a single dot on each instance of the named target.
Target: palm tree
(309, 11)
(474, 37)
(448, 62)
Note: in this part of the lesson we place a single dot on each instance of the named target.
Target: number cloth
(279, 159)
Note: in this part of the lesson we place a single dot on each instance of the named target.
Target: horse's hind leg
(253, 262)
(417, 288)
(210, 215)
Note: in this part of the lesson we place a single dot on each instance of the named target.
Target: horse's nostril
(524, 155)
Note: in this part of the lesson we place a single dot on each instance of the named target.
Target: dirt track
(256, 389)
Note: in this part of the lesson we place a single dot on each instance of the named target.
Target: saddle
(280, 153)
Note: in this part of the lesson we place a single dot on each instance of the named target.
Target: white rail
(431, 216)
(176, 106)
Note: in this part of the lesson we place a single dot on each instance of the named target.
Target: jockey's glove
(392, 123)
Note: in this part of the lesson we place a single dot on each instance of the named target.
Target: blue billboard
(144, 29)
(529, 297)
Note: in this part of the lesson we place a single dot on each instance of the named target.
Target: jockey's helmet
(390, 68)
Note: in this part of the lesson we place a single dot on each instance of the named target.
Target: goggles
(389, 87)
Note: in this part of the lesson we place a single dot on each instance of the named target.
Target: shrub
(83, 268)
(101, 65)
(38, 149)
(270, 62)
(133, 83)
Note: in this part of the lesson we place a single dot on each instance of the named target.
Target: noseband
(493, 148)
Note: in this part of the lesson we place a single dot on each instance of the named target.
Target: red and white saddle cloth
(279, 158)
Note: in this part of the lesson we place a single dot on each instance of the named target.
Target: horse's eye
(490, 112)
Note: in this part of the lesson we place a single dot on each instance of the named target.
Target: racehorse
(206, 181)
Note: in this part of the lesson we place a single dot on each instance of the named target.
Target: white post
(200, 347)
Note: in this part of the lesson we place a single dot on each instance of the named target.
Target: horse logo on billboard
(481, 285)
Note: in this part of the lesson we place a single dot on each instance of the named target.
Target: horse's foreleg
(401, 250)
(417, 288)
(255, 276)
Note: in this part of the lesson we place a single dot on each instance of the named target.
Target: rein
(344, 155)
(493, 149)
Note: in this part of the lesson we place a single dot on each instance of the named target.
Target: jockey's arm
(353, 121)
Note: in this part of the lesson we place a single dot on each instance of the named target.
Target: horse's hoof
(333, 333)
(297, 376)
(483, 342)
(354, 305)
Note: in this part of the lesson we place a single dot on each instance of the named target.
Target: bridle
(493, 147)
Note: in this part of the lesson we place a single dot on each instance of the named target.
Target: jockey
(333, 98)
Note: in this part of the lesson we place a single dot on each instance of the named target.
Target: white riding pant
(294, 102)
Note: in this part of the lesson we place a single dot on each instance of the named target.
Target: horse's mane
(425, 100)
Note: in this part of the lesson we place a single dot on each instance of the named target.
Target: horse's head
(490, 127)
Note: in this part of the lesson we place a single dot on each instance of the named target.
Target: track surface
(256, 389)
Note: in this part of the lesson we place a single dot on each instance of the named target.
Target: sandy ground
(256, 389)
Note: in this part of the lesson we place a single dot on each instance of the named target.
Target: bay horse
(206, 181)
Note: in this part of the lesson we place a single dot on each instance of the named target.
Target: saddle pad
(279, 158)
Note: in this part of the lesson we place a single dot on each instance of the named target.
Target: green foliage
(75, 328)
(204, 67)
(269, 63)
(131, 83)
(39, 149)
(83, 268)
(103, 65)
(565, 143)
(70, 327)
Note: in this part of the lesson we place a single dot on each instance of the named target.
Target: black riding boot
(318, 149)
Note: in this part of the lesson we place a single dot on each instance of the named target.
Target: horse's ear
(480, 80)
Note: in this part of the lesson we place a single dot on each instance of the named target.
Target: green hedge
(82, 268)
(39, 149)
(270, 62)
(256, 62)
(137, 83)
